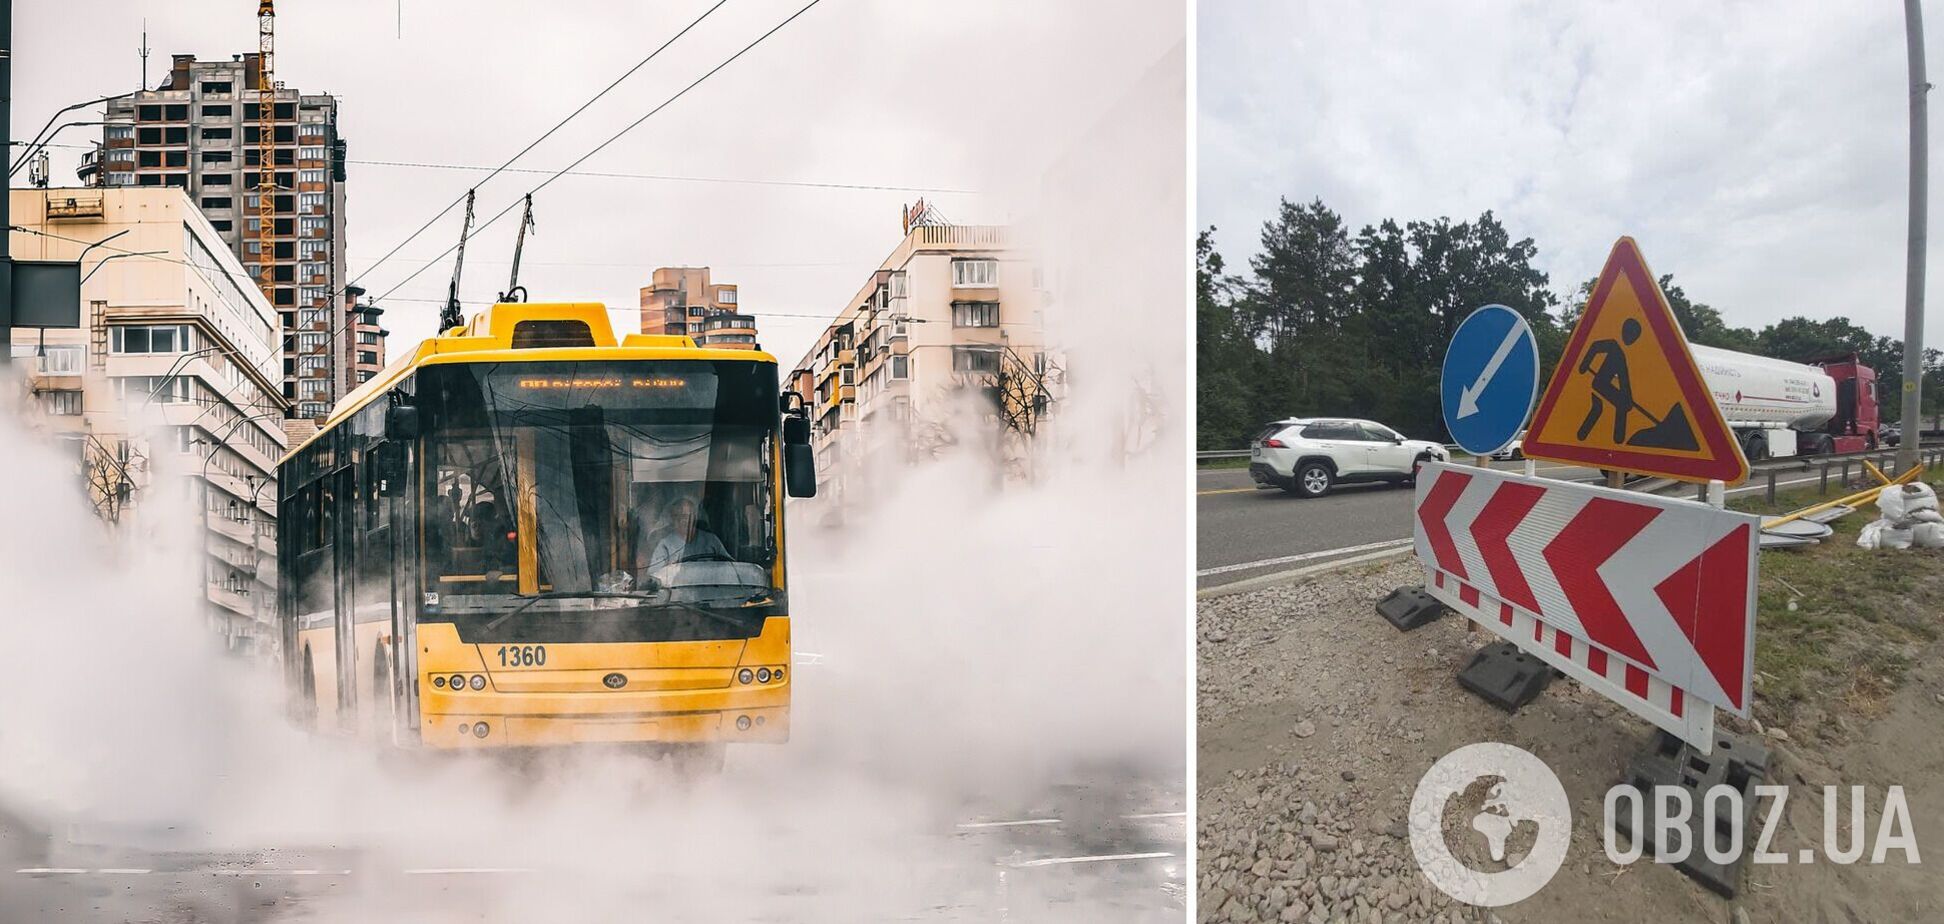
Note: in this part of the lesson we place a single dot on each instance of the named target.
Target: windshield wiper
(531, 599)
(646, 596)
(718, 615)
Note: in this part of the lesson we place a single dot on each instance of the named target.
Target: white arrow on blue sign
(1491, 376)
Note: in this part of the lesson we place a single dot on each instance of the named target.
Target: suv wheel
(1313, 479)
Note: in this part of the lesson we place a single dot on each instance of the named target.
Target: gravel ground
(1316, 720)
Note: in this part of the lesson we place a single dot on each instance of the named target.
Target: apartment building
(171, 384)
(943, 343)
(198, 132)
(684, 300)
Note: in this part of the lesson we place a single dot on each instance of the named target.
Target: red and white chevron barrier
(1649, 600)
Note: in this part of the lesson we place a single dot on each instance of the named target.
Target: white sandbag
(1871, 534)
(1928, 535)
(1894, 537)
(1898, 502)
(1925, 516)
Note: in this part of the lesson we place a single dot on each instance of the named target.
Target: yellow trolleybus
(528, 533)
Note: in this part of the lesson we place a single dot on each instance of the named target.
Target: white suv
(1308, 456)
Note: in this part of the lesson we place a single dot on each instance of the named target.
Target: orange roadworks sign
(1626, 394)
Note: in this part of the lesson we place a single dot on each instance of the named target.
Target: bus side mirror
(796, 430)
(402, 423)
(799, 470)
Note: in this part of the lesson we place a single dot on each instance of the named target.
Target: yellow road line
(1225, 491)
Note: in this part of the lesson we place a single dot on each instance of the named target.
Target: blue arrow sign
(1491, 375)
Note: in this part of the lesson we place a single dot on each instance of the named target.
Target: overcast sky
(1755, 150)
(918, 95)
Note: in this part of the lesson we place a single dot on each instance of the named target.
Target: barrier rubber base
(1737, 761)
(1410, 608)
(1504, 676)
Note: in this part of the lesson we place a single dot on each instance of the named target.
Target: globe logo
(1490, 824)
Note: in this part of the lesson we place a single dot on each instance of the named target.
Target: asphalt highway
(1243, 532)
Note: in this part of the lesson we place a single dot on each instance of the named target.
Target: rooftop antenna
(144, 52)
(451, 317)
(519, 243)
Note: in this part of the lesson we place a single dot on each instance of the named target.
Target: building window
(156, 389)
(969, 273)
(975, 314)
(153, 338)
(975, 359)
(217, 112)
(364, 376)
(310, 176)
(216, 202)
(216, 179)
(149, 113)
(901, 367)
(59, 360)
(62, 403)
(367, 357)
(726, 296)
(222, 225)
(212, 87)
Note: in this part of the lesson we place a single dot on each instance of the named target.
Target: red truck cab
(1854, 427)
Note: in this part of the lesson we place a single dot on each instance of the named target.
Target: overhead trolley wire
(603, 145)
(544, 136)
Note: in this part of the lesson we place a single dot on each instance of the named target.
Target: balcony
(241, 531)
(237, 602)
(964, 235)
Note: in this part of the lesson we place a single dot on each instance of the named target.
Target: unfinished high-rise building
(198, 130)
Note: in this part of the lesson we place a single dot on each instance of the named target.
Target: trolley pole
(1913, 360)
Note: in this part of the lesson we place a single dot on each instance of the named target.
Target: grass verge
(1859, 618)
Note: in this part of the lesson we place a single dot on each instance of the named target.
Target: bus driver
(681, 539)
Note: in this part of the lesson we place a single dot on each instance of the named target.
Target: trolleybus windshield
(625, 499)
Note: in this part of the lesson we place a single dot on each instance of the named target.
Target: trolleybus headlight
(465, 728)
(777, 675)
(479, 683)
(762, 674)
(439, 681)
(458, 681)
(742, 723)
(480, 730)
(745, 675)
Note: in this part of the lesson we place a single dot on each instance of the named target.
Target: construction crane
(266, 148)
(452, 317)
(519, 244)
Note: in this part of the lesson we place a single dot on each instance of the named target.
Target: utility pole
(1913, 372)
(6, 196)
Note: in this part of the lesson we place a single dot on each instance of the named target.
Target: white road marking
(1306, 556)
(51, 870)
(125, 872)
(1104, 858)
(468, 871)
(1158, 815)
(280, 872)
(1009, 824)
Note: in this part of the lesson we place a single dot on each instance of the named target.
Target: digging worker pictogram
(1606, 361)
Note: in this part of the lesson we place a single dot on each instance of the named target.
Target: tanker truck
(1778, 408)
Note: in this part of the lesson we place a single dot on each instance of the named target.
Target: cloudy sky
(1755, 150)
(962, 104)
